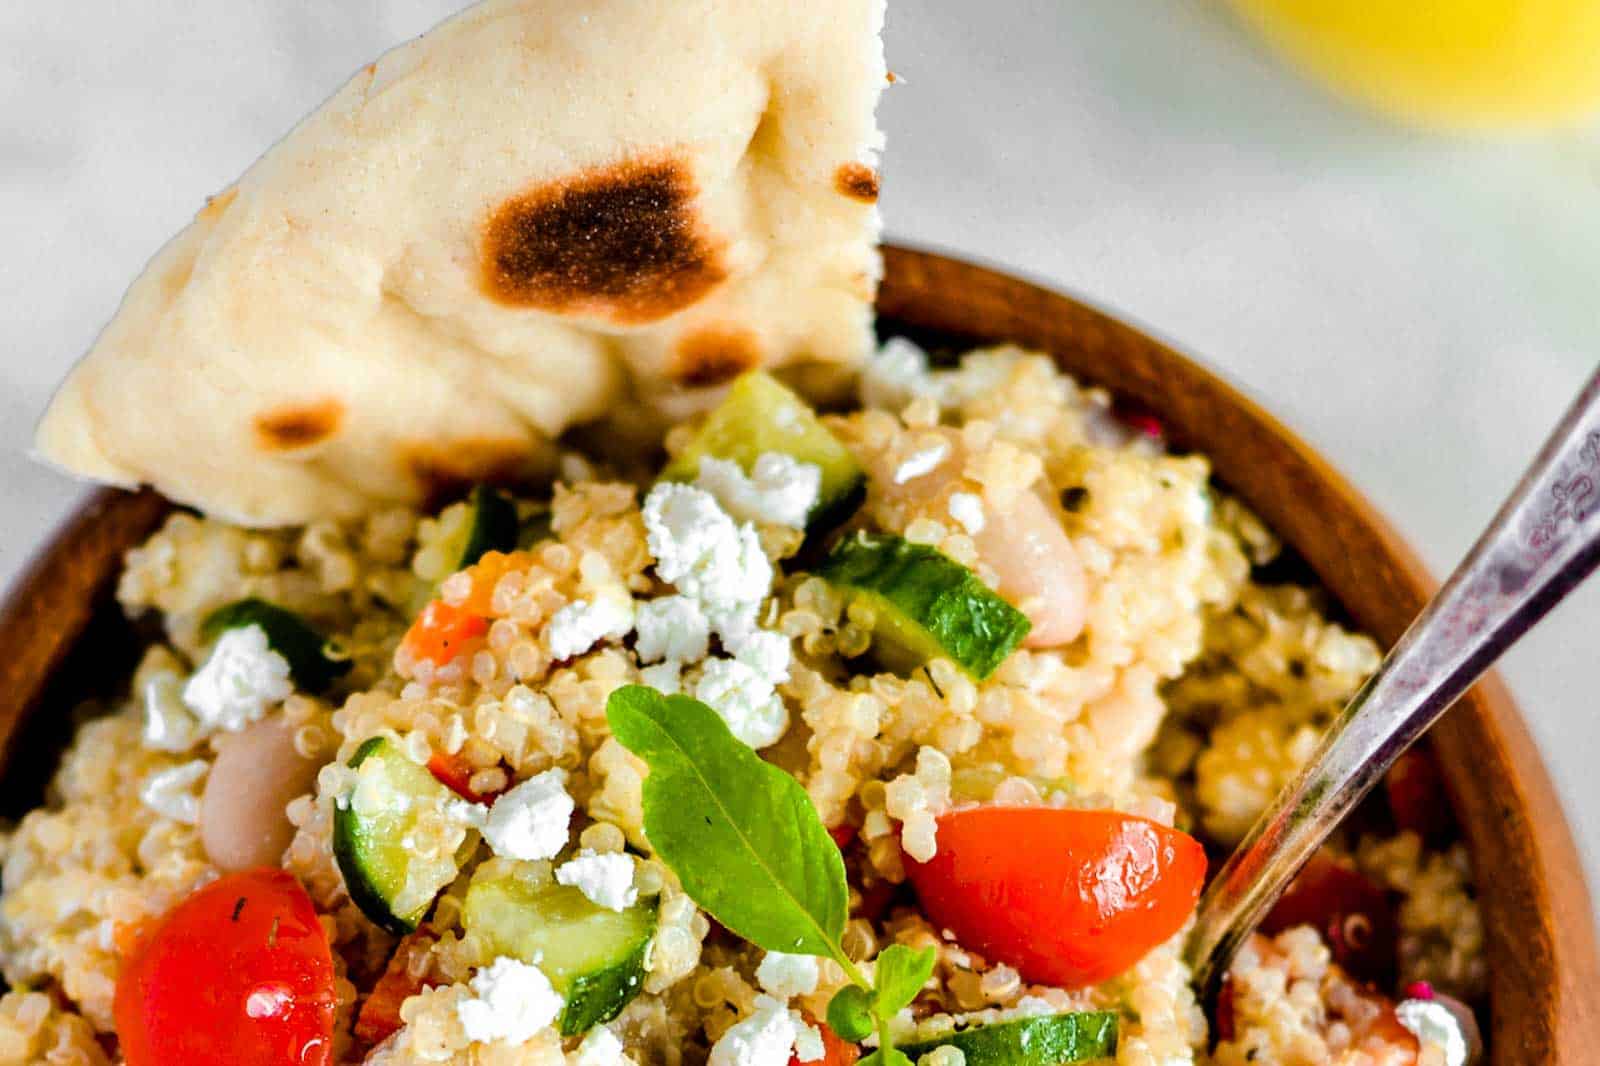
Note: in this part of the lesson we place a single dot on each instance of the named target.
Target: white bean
(243, 823)
(1037, 567)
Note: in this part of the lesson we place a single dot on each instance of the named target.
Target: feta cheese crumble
(788, 976)
(700, 549)
(768, 1038)
(511, 1001)
(666, 678)
(967, 508)
(531, 821)
(240, 679)
(779, 490)
(672, 628)
(606, 879)
(921, 462)
(582, 624)
(168, 725)
(171, 793)
(895, 375)
(745, 700)
(765, 652)
(1432, 1024)
(600, 1048)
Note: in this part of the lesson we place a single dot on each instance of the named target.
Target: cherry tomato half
(1067, 897)
(1351, 912)
(1417, 797)
(239, 972)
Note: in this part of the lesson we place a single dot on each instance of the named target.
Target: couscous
(909, 724)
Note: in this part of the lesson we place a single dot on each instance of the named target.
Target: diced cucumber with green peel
(1047, 1040)
(925, 605)
(491, 526)
(536, 526)
(760, 415)
(593, 956)
(391, 883)
(291, 636)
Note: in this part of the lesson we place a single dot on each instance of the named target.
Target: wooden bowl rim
(1543, 966)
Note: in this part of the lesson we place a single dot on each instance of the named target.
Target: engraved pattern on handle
(1542, 543)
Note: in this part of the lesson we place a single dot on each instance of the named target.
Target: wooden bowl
(61, 637)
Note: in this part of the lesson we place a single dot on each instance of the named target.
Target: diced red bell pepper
(380, 1014)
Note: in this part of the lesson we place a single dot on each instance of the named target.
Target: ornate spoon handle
(1542, 543)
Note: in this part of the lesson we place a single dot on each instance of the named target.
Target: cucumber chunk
(593, 956)
(491, 526)
(926, 605)
(392, 884)
(287, 634)
(760, 415)
(1080, 1036)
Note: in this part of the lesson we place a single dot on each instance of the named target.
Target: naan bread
(531, 215)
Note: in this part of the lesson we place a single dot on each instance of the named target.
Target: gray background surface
(1420, 308)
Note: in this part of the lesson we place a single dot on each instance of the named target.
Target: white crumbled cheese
(172, 793)
(582, 624)
(666, 678)
(673, 628)
(766, 1038)
(1432, 1023)
(600, 1048)
(511, 1001)
(531, 821)
(788, 976)
(779, 490)
(765, 652)
(241, 678)
(896, 375)
(967, 508)
(755, 713)
(922, 462)
(606, 879)
(808, 1043)
(700, 549)
(168, 725)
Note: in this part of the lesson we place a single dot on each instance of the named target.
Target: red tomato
(843, 835)
(836, 1051)
(239, 972)
(1350, 912)
(1067, 897)
(380, 1014)
(1417, 799)
(455, 773)
(442, 632)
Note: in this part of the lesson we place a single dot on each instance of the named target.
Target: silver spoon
(1542, 543)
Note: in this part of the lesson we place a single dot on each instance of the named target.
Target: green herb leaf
(899, 975)
(741, 834)
(850, 1013)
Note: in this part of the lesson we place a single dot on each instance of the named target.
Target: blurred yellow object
(1466, 64)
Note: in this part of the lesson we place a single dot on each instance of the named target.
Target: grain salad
(549, 775)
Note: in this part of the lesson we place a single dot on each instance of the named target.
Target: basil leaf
(850, 1013)
(742, 835)
(899, 975)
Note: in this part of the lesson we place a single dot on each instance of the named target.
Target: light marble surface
(1420, 308)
